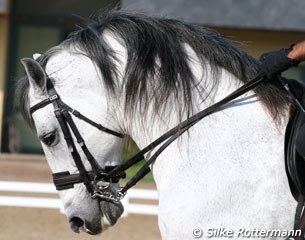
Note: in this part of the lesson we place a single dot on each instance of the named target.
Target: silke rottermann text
(248, 233)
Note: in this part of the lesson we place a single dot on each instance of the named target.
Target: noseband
(100, 182)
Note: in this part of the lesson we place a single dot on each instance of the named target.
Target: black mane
(147, 39)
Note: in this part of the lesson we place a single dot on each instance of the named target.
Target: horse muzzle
(94, 224)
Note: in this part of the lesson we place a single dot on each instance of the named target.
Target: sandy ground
(46, 224)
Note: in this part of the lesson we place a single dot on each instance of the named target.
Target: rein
(101, 182)
(174, 133)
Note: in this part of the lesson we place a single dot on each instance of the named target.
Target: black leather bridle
(100, 182)
(96, 181)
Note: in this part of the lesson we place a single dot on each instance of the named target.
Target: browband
(43, 103)
(55, 97)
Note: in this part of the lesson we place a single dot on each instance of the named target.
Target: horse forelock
(155, 50)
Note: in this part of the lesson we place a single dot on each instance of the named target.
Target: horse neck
(144, 128)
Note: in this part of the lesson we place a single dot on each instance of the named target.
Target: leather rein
(99, 182)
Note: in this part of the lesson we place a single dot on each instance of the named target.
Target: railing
(46, 188)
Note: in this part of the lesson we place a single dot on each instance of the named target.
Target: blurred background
(33, 26)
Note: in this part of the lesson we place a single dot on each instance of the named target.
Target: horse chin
(111, 212)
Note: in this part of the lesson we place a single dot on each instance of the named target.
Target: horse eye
(49, 138)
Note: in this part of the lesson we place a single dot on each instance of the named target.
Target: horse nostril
(76, 223)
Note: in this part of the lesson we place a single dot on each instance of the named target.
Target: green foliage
(129, 150)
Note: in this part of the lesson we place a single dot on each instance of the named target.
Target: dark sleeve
(276, 62)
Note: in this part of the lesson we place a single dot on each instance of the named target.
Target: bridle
(96, 181)
(101, 183)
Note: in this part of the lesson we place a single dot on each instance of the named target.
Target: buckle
(106, 189)
(53, 97)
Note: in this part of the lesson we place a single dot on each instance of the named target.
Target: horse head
(82, 89)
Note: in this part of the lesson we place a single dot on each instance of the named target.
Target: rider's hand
(298, 52)
(273, 63)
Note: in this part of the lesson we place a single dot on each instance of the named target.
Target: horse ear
(36, 75)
